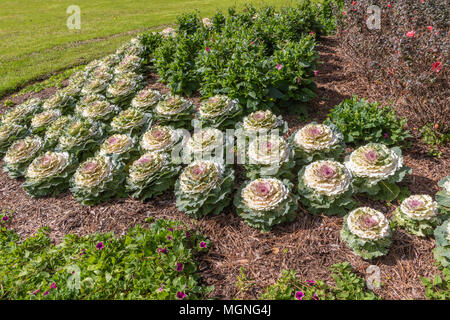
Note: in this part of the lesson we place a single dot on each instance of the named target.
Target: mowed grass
(35, 40)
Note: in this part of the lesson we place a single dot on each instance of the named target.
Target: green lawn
(35, 40)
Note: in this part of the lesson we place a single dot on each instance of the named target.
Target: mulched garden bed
(309, 245)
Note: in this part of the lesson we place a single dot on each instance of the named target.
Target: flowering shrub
(56, 130)
(206, 144)
(22, 114)
(407, 59)
(217, 112)
(325, 187)
(151, 175)
(367, 232)
(97, 110)
(317, 142)
(174, 110)
(123, 88)
(10, 132)
(418, 214)
(145, 265)
(442, 250)
(121, 145)
(132, 121)
(265, 202)
(269, 156)
(260, 122)
(98, 179)
(49, 174)
(443, 196)
(361, 122)
(160, 139)
(376, 169)
(20, 155)
(81, 137)
(204, 187)
(60, 101)
(146, 100)
(41, 121)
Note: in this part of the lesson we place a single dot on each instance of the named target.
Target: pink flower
(430, 28)
(5, 218)
(311, 282)
(164, 250)
(385, 135)
(181, 295)
(299, 295)
(207, 49)
(389, 5)
(298, 80)
(53, 285)
(179, 267)
(46, 293)
(316, 72)
(436, 66)
(35, 292)
(315, 297)
(344, 13)
(100, 245)
(188, 234)
(279, 66)
(312, 33)
(353, 3)
(169, 237)
(203, 244)
(411, 34)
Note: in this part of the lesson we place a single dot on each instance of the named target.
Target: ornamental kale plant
(376, 169)
(10, 132)
(151, 175)
(218, 112)
(20, 155)
(121, 145)
(161, 139)
(146, 100)
(418, 215)
(98, 179)
(59, 101)
(41, 121)
(367, 232)
(49, 174)
(22, 114)
(442, 250)
(317, 142)
(156, 262)
(269, 155)
(443, 196)
(266, 202)
(325, 187)
(97, 110)
(174, 110)
(205, 144)
(260, 122)
(56, 130)
(81, 137)
(129, 64)
(130, 121)
(98, 81)
(204, 187)
(361, 122)
(123, 88)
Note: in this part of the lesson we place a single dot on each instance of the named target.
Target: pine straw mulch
(309, 245)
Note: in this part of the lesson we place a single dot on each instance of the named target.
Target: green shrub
(146, 263)
(361, 122)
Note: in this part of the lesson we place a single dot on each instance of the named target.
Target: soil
(309, 245)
